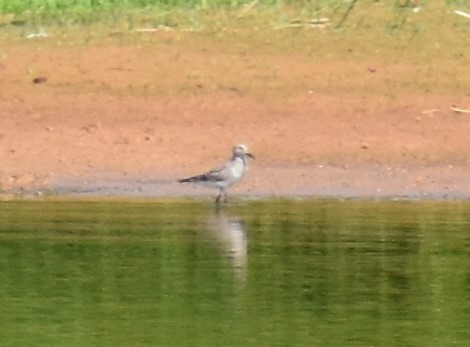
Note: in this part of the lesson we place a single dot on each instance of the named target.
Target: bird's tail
(199, 178)
(189, 179)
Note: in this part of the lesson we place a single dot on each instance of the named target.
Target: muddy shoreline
(128, 116)
(389, 183)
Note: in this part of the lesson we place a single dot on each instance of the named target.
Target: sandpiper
(225, 176)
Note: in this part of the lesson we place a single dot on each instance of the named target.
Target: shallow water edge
(435, 183)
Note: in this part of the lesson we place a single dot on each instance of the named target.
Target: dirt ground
(326, 115)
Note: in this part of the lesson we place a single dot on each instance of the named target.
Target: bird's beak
(250, 155)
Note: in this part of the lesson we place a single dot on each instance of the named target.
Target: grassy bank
(174, 13)
(159, 11)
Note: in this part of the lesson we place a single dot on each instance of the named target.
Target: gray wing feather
(217, 175)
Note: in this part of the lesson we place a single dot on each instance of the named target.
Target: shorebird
(225, 176)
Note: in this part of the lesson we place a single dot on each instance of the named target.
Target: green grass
(113, 12)
(83, 12)
(26, 16)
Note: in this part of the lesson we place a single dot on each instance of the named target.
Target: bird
(226, 175)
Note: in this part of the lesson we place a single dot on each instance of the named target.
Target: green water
(285, 273)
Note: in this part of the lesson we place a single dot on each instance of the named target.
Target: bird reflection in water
(229, 232)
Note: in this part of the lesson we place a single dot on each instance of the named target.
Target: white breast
(237, 169)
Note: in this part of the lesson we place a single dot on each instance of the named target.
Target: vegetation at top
(177, 12)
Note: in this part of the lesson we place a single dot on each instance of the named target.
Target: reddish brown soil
(325, 115)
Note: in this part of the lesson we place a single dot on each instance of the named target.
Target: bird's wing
(219, 174)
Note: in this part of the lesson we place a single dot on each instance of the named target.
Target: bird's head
(242, 151)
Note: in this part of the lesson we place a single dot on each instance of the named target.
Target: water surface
(283, 273)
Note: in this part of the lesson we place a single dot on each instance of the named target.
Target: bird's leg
(222, 193)
(217, 199)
